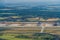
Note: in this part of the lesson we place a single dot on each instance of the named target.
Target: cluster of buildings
(30, 24)
(51, 22)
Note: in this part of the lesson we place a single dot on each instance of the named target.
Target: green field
(12, 37)
(21, 33)
(9, 36)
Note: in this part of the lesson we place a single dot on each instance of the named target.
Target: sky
(17, 1)
(30, 1)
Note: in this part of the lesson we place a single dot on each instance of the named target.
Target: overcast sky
(17, 1)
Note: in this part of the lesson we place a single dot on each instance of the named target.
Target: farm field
(23, 36)
(26, 33)
(12, 37)
(53, 30)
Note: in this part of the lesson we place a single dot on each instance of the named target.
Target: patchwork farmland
(53, 30)
(27, 31)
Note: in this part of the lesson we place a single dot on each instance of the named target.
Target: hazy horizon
(29, 1)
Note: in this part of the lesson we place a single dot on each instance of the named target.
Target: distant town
(33, 22)
(26, 19)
